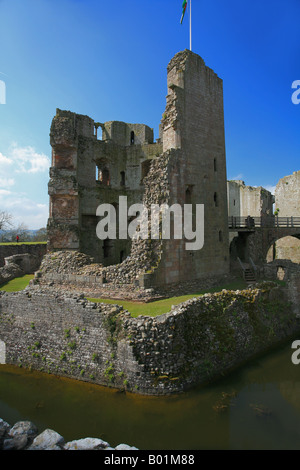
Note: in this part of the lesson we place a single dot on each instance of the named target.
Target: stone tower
(193, 124)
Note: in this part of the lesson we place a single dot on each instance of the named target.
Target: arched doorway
(285, 248)
(239, 247)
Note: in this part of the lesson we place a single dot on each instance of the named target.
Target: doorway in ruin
(285, 248)
(239, 247)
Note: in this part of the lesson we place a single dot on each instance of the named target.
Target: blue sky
(108, 60)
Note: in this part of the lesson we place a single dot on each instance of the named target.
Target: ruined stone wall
(289, 272)
(247, 200)
(287, 200)
(125, 134)
(196, 342)
(78, 186)
(38, 250)
(63, 222)
(9, 272)
(288, 248)
(257, 244)
(234, 198)
(145, 255)
(287, 195)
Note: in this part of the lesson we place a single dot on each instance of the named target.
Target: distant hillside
(24, 235)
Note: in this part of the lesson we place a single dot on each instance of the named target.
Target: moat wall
(196, 342)
(38, 250)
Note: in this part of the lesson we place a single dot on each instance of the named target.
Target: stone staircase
(249, 271)
(249, 275)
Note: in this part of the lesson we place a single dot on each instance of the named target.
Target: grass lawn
(19, 283)
(152, 309)
(23, 243)
(159, 307)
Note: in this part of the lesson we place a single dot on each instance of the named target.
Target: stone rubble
(65, 262)
(24, 436)
(75, 272)
(9, 272)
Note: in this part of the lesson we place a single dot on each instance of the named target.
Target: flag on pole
(184, 5)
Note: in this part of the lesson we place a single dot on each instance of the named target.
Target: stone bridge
(252, 237)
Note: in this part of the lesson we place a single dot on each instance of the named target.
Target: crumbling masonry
(187, 165)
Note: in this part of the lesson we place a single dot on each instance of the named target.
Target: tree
(5, 220)
(40, 235)
(20, 230)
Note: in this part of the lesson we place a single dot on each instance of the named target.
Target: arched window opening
(96, 126)
(216, 199)
(220, 236)
(287, 248)
(103, 176)
(122, 182)
(281, 273)
(132, 138)
(188, 196)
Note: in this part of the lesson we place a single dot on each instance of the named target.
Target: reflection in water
(257, 407)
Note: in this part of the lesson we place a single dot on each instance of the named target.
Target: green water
(257, 407)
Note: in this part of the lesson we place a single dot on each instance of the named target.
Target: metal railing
(264, 222)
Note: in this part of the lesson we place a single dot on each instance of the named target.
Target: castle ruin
(187, 165)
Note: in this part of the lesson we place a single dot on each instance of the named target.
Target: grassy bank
(159, 307)
(22, 243)
(17, 284)
(153, 309)
(135, 308)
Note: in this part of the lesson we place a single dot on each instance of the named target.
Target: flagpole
(190, 25)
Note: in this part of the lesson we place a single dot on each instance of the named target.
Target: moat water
(256, 407)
